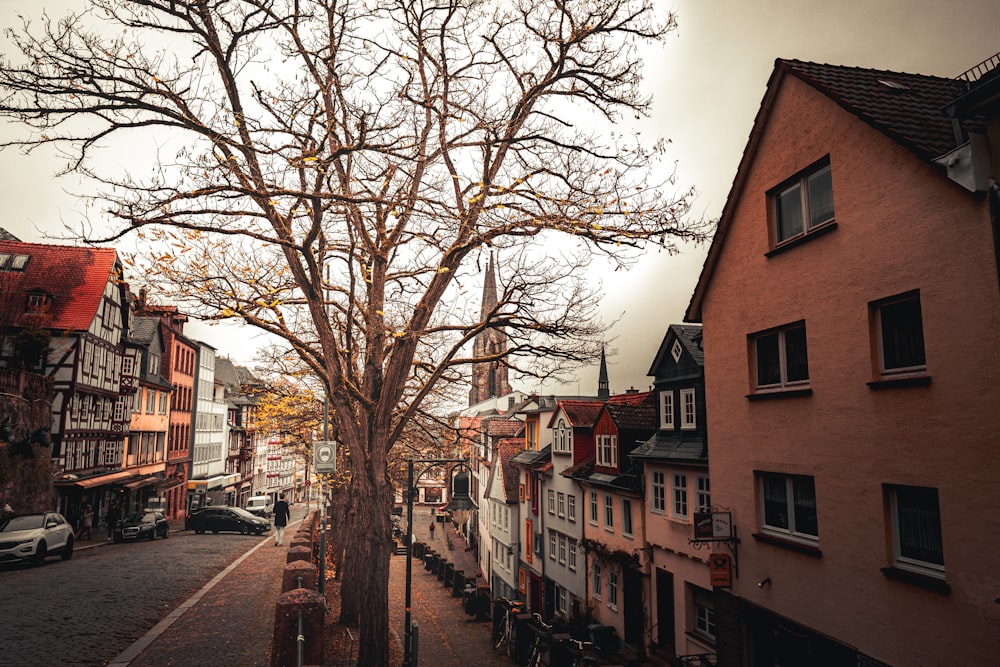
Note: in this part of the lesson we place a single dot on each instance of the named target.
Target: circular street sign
(324, 454)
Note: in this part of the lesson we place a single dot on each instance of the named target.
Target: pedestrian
(281, 516)
(112, 519)
(7, 511)
(432, 530)
(86, 522)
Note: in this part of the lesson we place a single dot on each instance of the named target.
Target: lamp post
(461, 504)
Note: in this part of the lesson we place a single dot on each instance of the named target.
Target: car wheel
(166, 534)
(244, 530)
(40, 553)
(215, 531)
(67, 551)
(200, 532)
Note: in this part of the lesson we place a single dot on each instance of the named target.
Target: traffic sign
(325, 456)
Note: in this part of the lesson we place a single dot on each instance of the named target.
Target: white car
(32, 537)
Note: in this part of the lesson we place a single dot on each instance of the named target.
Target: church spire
(489, 378)
(603, 391)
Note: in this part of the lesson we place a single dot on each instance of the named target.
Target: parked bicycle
(539, 656)
(583, 653)
(504, 627)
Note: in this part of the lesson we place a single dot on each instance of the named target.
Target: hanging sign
(720, 570)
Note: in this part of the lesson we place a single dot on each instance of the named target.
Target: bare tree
(334, 171)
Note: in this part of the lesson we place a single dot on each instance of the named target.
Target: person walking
(86, 522)
(281, 516)
(113, 516)
(432, 529)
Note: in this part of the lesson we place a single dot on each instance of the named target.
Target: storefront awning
(169, 483)
(143, 482)
(97, 480)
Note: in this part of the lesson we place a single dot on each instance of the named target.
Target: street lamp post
(460, 502)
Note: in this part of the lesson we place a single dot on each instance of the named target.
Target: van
(260, 505)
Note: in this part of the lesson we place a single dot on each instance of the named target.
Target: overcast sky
(707, 83)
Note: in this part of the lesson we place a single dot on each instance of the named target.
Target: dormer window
(37, 301)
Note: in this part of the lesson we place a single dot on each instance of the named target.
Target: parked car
(217, 518)
(32, 537)
(142, 526)
(260, 506)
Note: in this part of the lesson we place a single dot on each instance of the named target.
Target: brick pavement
(447, 636)
(229, 622)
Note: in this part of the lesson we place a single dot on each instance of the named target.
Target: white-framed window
(658, 482)
(127, 365)
(163, 403)
(788, 504)
(679, 488)
(899, 334)
(609, 512)
(626, 517)
(561, 504)
(154, 364)
(597, 581)
(688, 414)
(780, 358)
(562, 600)
(704, 613)
(803, 203)
(916, 529)
(571, 507)
(562, 549)
(676, 350)
(593, 507)
(120, 409)
(607, 450)
(571, 558)
(613, 588)
(552, 545)
(551, 495)
(702, 494)
(150, 401)
(667, 409)
(562, 438)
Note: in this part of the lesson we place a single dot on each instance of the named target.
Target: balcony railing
(974, 74)
(18, 382)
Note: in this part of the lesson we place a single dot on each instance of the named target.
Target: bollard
(442, 564)
(285, 640)
(296, 570)
(449, 575)
(298, 553)
(458, 584)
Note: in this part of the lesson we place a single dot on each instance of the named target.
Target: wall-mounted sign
(720, 570)
(713, 525)
(325, 456)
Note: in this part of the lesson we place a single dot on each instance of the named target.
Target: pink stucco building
(851, 318)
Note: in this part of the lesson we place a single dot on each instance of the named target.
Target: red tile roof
(74, 277)
(581, 414)
(504, 427)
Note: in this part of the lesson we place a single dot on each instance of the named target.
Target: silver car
(32, 537)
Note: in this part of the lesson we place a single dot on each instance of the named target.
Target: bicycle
(504, 628)
(582, 653)
(539, 656)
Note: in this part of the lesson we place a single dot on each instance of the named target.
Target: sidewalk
(447, 636)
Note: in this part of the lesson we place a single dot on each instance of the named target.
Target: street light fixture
(461, 505)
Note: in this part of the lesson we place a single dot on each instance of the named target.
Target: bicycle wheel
(500, 630)
(511, 636)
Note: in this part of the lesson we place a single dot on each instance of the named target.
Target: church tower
(603, 388)
(489, 378)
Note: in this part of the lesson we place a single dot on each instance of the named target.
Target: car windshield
(243, 513)
(23, 522)
(139, 517)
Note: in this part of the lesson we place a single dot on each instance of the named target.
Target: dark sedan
(142, 526)
(234, 519)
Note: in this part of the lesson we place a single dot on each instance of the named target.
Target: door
(665, 611)
(632, 594)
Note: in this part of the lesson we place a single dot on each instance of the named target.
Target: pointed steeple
(603, 390)
(489, 379)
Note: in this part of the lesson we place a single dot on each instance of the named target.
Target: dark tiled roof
(531, 458)
(639, 413)
(581, 414)
(906, 107)
(629, 480)
(581, 470)
(677, 446)
(75, 278)
(144, 329)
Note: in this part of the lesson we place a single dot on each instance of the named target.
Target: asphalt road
(87, 610)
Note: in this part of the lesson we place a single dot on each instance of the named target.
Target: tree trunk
(367, 570)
